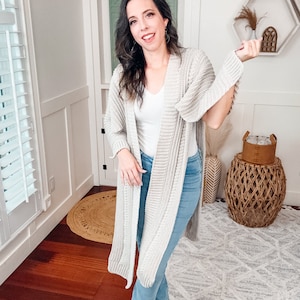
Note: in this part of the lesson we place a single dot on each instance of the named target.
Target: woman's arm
(116, 132)
(215, 116)
(114, 119)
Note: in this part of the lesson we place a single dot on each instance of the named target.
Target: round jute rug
(93, 217)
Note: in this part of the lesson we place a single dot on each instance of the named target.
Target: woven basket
(259, 154)
(212, 177)
(254, 193)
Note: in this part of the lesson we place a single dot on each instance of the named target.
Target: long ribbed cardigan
(191, 88)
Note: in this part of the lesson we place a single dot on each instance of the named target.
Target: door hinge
(102, 130)
(104, 167)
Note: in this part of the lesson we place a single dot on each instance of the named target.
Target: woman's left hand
(249, 49)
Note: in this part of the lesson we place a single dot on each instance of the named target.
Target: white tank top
(148, 120)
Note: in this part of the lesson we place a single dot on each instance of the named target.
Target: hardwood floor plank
(113, 288)
(54, 285)
(9, 292)
(63, 234)
(101, 252)
(66, 266)
(61, 270)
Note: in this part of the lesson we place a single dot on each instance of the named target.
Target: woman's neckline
(156, 93)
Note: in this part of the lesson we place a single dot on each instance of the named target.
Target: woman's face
(146, 24)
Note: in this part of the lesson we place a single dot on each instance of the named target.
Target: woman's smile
(148, 37)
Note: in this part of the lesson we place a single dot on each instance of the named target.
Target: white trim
(93, 76)
(62, 101)
(105, 41)
(100, 75)
(189, 20)
(37, 108)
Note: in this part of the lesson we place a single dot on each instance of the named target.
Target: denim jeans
(188, 202)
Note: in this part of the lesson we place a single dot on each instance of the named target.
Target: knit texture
(190, 90)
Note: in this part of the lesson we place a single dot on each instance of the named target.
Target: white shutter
(17, 155)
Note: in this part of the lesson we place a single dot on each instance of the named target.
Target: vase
(212, 177)
(253, 35)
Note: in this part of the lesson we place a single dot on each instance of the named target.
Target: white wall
(59, 44)
(268, 100)
(60, 37)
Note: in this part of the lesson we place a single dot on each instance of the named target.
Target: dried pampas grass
(250, 15)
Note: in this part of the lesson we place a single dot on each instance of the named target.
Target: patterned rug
(235, 262)
(93, 217)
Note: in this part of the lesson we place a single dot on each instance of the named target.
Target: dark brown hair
(130, 54)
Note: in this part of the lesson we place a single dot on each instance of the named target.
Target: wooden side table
(254, 193)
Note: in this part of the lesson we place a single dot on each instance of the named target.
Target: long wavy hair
(130, 53)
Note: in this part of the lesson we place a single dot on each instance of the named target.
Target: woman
(160, 96)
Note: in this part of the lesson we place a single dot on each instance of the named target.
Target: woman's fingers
(249, 49)
(132, 177)
(130, 170)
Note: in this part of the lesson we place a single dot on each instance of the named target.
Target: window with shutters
(18, 171)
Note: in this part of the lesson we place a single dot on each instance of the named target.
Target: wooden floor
(65, 267)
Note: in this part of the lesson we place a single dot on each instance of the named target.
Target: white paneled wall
(67, 144)
(265, 118)
(268, 100)
(60, 63)
(63, 93)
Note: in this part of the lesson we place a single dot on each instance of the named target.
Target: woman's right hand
(130, 170)
(249, 49)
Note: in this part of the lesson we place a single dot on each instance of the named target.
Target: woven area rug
(232, 261)
(93, 217)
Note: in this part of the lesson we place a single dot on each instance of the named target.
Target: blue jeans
(188, 202)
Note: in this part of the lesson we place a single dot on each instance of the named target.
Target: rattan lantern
(254, 193)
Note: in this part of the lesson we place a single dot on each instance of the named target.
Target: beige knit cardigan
(190, 90)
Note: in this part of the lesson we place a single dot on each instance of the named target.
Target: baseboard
(12, 256)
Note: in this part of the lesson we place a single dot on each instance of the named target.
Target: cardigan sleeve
(114, 119)
(205, 89)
